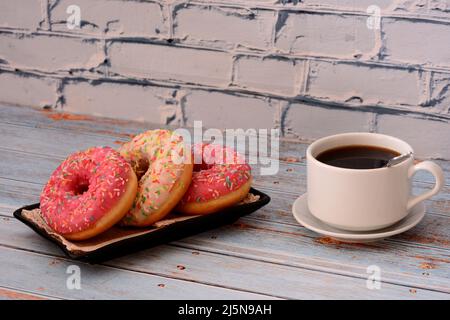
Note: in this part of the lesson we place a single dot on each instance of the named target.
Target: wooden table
(265, 255)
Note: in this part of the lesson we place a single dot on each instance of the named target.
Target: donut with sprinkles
(88, 193)
(221, 179)
(164, 170)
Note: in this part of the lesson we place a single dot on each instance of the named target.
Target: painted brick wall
(310, 67)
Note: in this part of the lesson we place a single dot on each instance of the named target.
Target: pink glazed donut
(222, 179)
(88, 193)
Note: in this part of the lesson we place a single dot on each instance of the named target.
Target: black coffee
(357, 157)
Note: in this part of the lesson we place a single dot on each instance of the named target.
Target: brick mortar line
(300, 7)
(311, 9)
(240, 92)
(233, 52)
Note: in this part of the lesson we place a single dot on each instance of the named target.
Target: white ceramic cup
(364, 199)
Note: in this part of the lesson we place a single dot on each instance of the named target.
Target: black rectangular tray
(164, 234)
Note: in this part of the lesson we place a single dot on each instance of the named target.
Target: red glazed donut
(220, 181)
(88, 193)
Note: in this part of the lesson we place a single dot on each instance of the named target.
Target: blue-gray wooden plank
(40, 273)
(272, 279)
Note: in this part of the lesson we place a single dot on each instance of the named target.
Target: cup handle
(438, 174)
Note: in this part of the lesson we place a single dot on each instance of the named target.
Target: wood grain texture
(269, 244)
(292, 153)
(223, 270)
(48, 275)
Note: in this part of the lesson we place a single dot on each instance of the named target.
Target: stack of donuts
(141, 183)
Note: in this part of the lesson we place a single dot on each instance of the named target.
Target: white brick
(312, 122)
(127, 18)
(440, 92)
(49, 53)
(226, 27)
(170, 63)
(21, 14)
(438, 8)
(428, 138)
(416, 42)
(325, 35)
(226, 111)
(373, 85)
(27, 91)
(114, 100)
(280, 76)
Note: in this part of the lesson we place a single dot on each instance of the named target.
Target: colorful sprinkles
(222, 171)
(157, 148)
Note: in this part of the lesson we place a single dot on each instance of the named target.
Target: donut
(221, 179)
(88, 193)
(164, 171)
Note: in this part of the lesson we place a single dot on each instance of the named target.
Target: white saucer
(304, 217)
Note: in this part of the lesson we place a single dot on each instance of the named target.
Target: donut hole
(141, 167)
(79, 185)
(81, 188)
